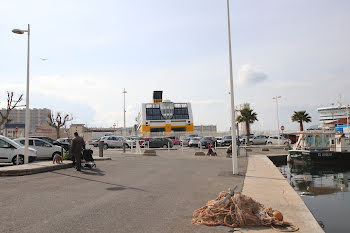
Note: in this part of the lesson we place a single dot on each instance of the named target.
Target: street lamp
(233, 117)
(278, 119)
(26, 131)
(124, 92)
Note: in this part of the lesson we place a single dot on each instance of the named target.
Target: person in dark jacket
(77, 147)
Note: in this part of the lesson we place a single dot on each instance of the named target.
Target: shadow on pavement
(93, 172)
(115, 186)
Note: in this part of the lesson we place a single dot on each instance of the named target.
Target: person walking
(78, 145)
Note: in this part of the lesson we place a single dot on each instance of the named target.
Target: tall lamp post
(26, 131)
(278, 119)
(124, 92)
(233, 117)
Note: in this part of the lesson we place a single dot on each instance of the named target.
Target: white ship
(335, 116)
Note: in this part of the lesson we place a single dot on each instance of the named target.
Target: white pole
(278, 119)
(347, 120)
(124, 92)
(26, 140)
(233, 117)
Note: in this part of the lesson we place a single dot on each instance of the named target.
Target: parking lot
(130, 193)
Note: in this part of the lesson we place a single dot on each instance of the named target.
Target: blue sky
(293, 48)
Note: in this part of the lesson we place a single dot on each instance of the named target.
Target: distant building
(164, 117)
(205, 129)
(38, 116)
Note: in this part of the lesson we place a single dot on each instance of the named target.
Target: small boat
(321, 147)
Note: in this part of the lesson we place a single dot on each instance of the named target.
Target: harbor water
(325, 191)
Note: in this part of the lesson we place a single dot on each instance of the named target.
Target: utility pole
(124, 92)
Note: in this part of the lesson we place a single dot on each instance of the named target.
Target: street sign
(282, 127)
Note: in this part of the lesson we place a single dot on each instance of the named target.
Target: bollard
(132, 146)
(200, 146)
(182, 146)
(124, 146)
(168, 146)
(62, 151)
(215, 146)
(100, 148)
(147, 144)
(138, 148)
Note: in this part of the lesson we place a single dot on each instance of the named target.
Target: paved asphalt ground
(130, 193)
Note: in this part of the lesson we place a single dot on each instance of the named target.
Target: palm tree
(247, 116)
(301, 116)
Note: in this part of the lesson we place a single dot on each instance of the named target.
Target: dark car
(158, 142)
(205, 141)
(226, 140)
(63, 142)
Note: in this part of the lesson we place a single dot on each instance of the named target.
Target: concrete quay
(39, 167)
(264, 183)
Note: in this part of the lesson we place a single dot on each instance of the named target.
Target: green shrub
(67, 156)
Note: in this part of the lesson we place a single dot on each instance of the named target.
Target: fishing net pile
(239, 210)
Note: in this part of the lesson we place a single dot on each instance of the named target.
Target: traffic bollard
(100, 149)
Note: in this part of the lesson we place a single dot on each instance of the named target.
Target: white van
(9, 150)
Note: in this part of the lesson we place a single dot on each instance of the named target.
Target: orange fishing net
(239, 211)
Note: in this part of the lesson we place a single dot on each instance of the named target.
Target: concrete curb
(29, 171)
(102, 158)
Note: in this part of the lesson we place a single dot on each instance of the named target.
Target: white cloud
(248, 75)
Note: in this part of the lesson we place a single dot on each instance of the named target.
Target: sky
(295, 49)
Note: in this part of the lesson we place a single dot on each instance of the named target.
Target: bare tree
(11, 104)
(58, 121)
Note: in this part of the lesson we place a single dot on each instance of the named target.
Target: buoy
(278, 215)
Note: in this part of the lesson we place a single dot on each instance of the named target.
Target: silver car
(259, 140)
(113, 142)
(44, 149)
(194, 141)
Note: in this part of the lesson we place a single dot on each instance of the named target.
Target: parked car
(64, 142)
(9, 149)
(112, 142)
(44, 150)
(205, 141)
(194, 141)
(94, 142)
(185, 141)
(175, 140)
(226, 140)
(259, 140)
(45, 138)
(218, 141)
(158, 142)
(131, 141)
(274, 140)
